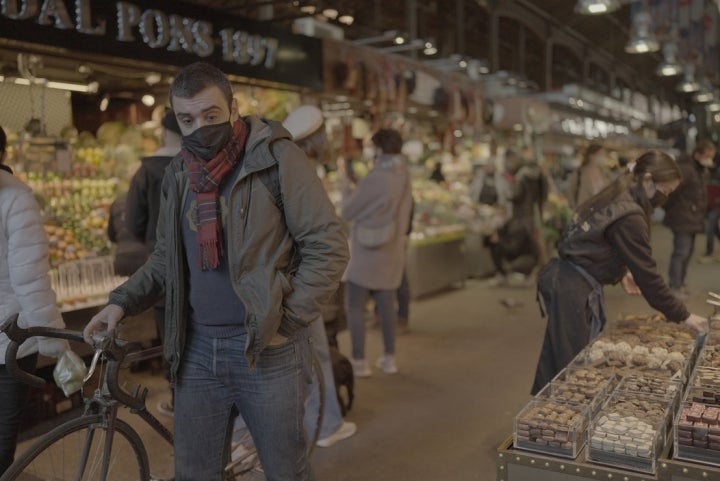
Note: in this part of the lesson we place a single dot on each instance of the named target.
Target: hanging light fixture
(596, 7)
(669, 66)
(705, 94)
(643, 39)
(689, 84)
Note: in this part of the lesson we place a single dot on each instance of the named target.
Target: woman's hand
(628, 283)
(700, 324)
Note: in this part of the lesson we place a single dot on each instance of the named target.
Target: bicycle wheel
(74, 451)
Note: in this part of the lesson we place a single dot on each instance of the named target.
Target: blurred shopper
(712, 228)
(379, 208)
(529, 191)
(606, 242)
(591, 177)
(307, 128)
(514, 253)
(242, 279)
(437, 175)
(685, 213)
(143, 210)
(25, 290)
(130, 251)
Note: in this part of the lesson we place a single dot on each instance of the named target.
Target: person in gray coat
(685, 213)
(379, 208)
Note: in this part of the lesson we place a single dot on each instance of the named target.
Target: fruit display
(76, 214)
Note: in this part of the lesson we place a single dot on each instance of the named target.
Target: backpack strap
(270, 178)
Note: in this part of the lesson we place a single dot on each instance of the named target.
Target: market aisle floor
(465, 370)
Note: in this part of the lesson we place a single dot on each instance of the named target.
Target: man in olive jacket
(685, 212)
(242, 273)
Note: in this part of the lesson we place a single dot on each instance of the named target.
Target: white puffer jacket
(24, 281)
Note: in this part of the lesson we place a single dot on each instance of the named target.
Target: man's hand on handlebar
(104, 321)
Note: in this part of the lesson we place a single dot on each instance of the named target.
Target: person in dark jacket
(130, 252)
(685, 213)
(144, 194)
(143, 208)
(607, 241)
(241, 279)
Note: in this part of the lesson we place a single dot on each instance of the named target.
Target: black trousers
(563, 293)
(13, 397)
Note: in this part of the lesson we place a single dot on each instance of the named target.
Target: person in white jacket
(25, 290)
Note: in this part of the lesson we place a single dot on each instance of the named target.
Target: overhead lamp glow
(399, 40)
(309, 9)
(330, 13)
(148, 100)
(714, 106)
(596, 7)
(643, 39)
(704, 96)
(104, 103)
(89, 88)
(670, 66)
(346, 19)
(431, 50)
(689, 84)
(153, 78)
(462, 64)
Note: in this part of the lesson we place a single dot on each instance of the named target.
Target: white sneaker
(386, 363)
(360, 368)
(345, 430)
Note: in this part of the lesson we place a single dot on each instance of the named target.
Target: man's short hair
(196, 77)
(389, 140)
(704, 146)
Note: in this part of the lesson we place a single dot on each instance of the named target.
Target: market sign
(166, 32)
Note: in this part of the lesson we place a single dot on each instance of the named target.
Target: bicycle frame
(111, 354)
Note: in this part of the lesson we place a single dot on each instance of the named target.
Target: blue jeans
(213, 381)
(355, 297)
(712, 230)
(332, 416)
(683, 247)
(403, 297)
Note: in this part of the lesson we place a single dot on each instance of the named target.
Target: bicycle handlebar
(116, 351)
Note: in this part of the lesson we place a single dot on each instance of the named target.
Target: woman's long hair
(661, 167)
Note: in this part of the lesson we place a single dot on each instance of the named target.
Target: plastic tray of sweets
(697, 433)
(630, 431)
(551, 427)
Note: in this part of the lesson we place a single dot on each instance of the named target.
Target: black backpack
(344, 378)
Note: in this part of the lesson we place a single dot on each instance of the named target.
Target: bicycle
(98, 445)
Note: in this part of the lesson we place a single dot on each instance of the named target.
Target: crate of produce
(630, 432)
(697, 433)
(551, 427)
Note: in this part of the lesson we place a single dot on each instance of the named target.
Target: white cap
(303, 121)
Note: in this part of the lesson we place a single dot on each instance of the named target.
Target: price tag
(63, 161)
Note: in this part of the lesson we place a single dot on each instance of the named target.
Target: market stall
(639, 403)
(84, 99)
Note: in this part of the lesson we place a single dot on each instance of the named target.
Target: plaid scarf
(205, 180)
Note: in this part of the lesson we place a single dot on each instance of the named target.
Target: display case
(658, 357)
(84, 283)
(551, 427)
(710, 356)
(591, 396)
(697, 433)
(631, 431)
(653, 386)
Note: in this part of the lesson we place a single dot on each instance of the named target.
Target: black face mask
(208, 140)
(658, 199)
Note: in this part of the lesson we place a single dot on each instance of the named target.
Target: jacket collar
(257, 155)
(6, 168)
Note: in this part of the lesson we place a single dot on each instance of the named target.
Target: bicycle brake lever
(93, 365)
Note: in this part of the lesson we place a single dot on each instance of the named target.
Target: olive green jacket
(283, 265)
